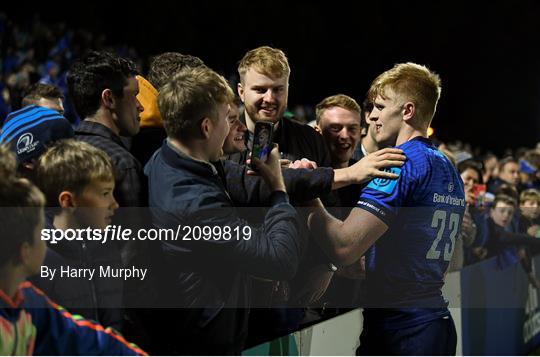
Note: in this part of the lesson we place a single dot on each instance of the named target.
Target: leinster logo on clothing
(26, 143)
(383, 184)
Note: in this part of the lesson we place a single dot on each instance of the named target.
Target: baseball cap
(526, 167)
(462, 156)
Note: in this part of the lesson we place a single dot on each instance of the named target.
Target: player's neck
(409, 133)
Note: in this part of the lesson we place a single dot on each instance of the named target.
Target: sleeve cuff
(278, 197)
(376, 209)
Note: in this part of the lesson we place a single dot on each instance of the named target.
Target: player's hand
(303, 164)
(372, 165)
(356, 271)
(271, 170)
(314, 284)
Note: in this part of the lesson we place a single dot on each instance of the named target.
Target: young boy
(77, 178)
(509, 247)
(30, 323)
(529, 205)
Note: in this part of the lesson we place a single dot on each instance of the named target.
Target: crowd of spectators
(34, 51)
(71, 116)
(503, 201)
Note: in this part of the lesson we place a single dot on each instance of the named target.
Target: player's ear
(408, 111)
(317, 128)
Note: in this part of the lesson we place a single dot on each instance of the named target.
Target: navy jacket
(210, 275)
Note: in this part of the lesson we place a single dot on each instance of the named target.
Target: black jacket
(302, 184)
(211, 276)
(130, 189)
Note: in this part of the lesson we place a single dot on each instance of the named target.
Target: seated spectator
(30, 131)
(502, 212)
(469, 245)
(48, 328)
(529, 205)
(509, 247)
(529, 171)
(44, 95)
(508, 173)
(54, 76)
(490, 166)
(78, 179)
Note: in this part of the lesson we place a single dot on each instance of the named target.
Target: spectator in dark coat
(211, 277)
(104, 90)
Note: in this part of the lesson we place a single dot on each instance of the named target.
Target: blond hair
(530, 194)
(338, 100)
(71, 165)
(269, 61)
(410, 82)
(192, 95)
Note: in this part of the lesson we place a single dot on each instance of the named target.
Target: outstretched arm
(369, 167)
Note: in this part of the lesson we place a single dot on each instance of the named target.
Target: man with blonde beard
(264, 90)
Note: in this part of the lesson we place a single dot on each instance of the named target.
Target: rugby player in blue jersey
(406, 227)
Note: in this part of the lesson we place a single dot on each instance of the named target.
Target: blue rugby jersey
(423, 209)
